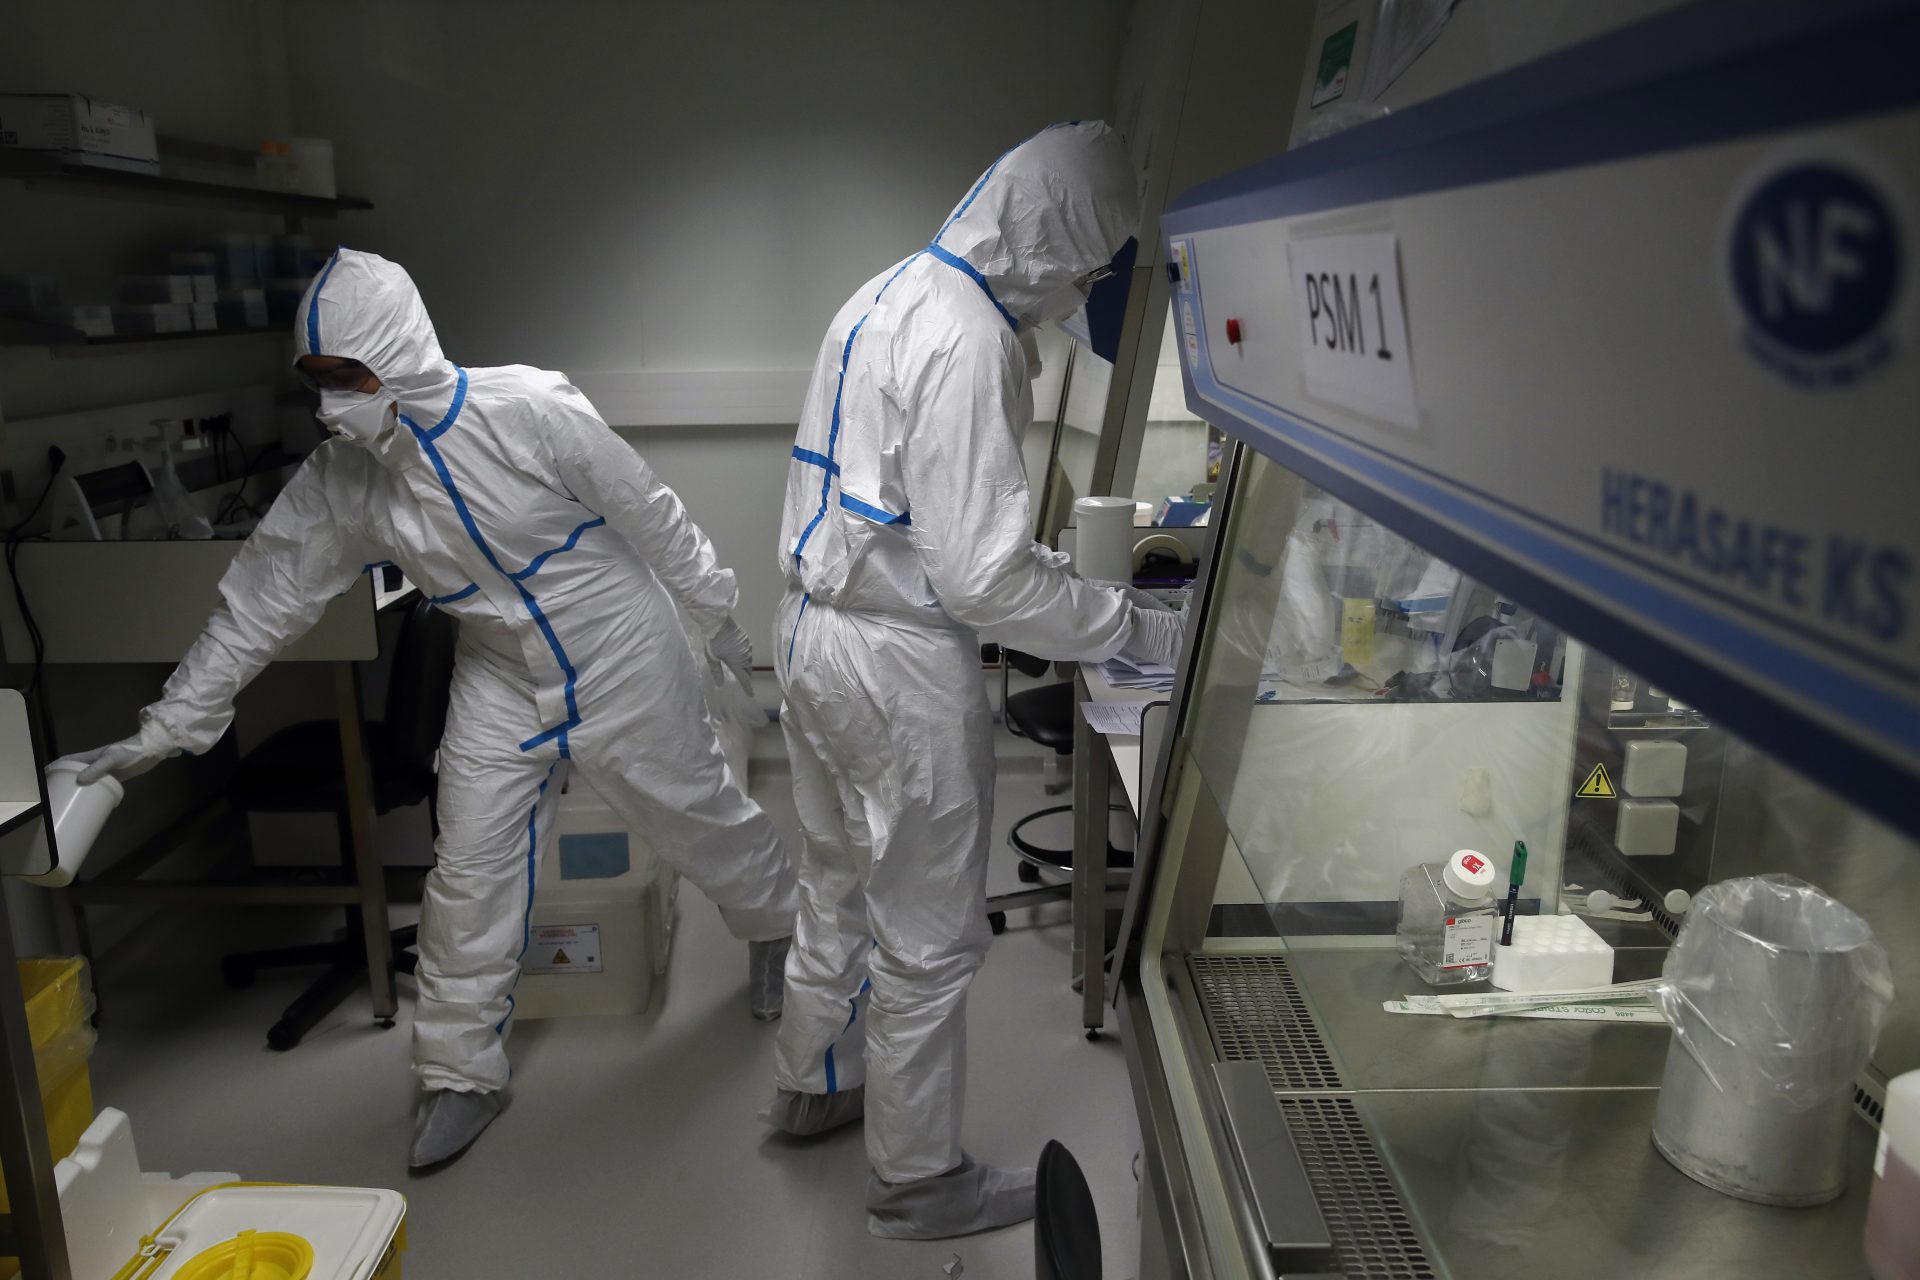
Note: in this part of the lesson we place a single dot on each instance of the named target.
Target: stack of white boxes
(1648, 824)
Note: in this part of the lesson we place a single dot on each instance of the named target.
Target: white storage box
(80, 130)
(602, 917)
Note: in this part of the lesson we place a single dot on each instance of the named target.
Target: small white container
(1646, 828)
(1103, 539)
(312, 166)
(1655, 769)
(78, 813)
(1552, 953)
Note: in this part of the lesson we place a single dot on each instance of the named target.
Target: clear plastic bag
(1777, 991)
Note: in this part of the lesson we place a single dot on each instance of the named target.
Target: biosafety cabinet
(1574, 400)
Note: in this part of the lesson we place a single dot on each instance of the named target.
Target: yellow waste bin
(60, 1005)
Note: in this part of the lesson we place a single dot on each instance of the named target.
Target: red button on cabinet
(1233, 332)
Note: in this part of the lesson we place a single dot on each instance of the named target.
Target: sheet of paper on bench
(1114, 717)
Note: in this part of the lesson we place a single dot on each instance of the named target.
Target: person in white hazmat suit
(506, 499)
(907, 539)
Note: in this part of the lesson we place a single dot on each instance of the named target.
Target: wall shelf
(40, 171)
(62, 340)
(132, 343)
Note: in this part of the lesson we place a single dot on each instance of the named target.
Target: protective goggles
(341, 377)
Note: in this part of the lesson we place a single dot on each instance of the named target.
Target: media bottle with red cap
(1448, 923)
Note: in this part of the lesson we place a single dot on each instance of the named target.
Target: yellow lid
(252, 1255)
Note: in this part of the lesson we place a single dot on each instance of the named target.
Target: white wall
(607, 188)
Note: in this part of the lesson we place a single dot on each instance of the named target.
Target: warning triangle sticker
(1598, 786)
(560, 957)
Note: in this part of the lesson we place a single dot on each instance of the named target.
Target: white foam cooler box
(602, 917)
(603, 904)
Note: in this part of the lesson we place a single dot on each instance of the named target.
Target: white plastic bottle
(1893, 1212)
(1447, 920)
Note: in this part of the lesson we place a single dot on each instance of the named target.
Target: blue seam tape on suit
(533, 871)
(313, 306)
(573, 540)
(527, 597)
(879, 515)
(829, 464)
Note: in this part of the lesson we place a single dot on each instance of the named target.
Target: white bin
(599, 942)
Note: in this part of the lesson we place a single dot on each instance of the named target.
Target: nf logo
(1814, 262)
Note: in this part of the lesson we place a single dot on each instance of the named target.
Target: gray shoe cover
(805, 1114)
(767, 977)
(447, 1123)
(974, 1197)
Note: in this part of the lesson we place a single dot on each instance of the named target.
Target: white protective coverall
(506, 499)
(907, 532)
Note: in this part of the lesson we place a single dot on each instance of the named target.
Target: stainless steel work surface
(1515, 1185)
(1374, 1049)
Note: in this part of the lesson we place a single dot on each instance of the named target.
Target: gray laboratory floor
(632, 1147)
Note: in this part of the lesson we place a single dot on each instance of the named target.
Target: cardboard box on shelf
(80, 130)
(28, 295)
(153, 317)
(155, 289)
(242, 308)
(94, 321)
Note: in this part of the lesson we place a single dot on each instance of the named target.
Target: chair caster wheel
(237, 973)
(997, 921)
(1093, 1033)
(282, 1037)
(1028, 873)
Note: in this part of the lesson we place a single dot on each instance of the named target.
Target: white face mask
(362, 417)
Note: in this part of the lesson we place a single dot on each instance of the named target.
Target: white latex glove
(1141, 599)
(1156, 637)
(1049, 557)
(127, 758)
(731, 647)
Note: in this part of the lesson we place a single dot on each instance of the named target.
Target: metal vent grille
(1371, 1231)
(1255, 1014)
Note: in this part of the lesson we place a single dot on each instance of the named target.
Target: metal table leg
(32, 1231)
(1092, 781)
(369, 876)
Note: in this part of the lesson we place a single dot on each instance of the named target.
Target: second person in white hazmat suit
(506, 499)
(907, 539)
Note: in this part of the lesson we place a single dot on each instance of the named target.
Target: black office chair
(1066, 1226)
(1046, 716)
(298, 770)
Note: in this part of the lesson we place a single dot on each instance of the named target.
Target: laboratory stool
(1066, 1226)
(1044, 715)
(298, 770)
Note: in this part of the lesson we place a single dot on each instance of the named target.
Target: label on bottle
(1467, 941)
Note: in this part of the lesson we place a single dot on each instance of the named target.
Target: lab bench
(147, 602)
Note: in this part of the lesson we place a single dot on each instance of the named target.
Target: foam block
(1552, 953)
